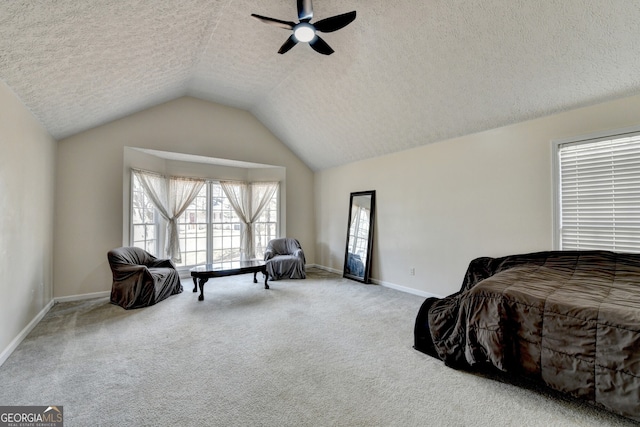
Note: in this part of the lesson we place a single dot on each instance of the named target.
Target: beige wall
(27, 174)
(89, 188)
(441, 205)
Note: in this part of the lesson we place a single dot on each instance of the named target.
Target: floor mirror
(357, 257)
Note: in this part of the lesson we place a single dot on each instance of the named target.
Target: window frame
(207, 227)
(160, 222)
(231, 235)
(556, 179)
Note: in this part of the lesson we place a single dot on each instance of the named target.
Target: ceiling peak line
(287, 77)
(206, 40)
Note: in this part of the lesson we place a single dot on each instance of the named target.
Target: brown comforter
(570, 319)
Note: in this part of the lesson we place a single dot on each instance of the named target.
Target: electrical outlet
(412, 271)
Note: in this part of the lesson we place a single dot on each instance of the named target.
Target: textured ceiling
(405, 73)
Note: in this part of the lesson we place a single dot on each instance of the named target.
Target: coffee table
(202, 273)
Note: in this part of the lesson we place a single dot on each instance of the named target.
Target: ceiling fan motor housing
(304, 32)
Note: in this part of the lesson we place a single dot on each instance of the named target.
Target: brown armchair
(140, 279)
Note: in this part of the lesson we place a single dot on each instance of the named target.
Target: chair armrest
(299, 253)
(268, 254)
(123, 272)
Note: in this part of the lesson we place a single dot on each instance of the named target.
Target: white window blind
(600, 194)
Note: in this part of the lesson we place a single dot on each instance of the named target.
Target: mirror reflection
(357, 262)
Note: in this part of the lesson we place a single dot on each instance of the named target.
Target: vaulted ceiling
(405, 73)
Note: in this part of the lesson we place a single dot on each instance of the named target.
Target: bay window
(209, 229)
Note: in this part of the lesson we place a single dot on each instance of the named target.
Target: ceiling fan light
(304, 32)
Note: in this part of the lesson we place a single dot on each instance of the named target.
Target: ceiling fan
(305, 31)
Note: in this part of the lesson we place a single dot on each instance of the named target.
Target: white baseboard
(322, 267)
(23, 334)
(405, 289)
(83, 296)
(27, 329)
(386, 284)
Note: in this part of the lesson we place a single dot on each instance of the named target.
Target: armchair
(140, 279)
(285, 259)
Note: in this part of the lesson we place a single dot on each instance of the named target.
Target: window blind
(600, 194)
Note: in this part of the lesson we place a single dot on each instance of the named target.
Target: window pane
(144, 219)
(192, 228)
(138, 233)
(224, 224)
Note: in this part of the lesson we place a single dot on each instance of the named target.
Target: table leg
(266, 276)
(203, 280)
(254, 277)
(195, 284)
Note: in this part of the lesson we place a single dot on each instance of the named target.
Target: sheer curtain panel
(170, 196)
(248, 201)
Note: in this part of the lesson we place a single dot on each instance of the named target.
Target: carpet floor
(324, 351)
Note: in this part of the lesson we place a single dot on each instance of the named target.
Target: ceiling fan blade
(334, 23)
(287, 25)
(305, 10)
(321, 46)
(286, 47)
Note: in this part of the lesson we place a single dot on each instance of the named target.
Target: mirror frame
(366, 278)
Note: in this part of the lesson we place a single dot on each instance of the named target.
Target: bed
(570, 319)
